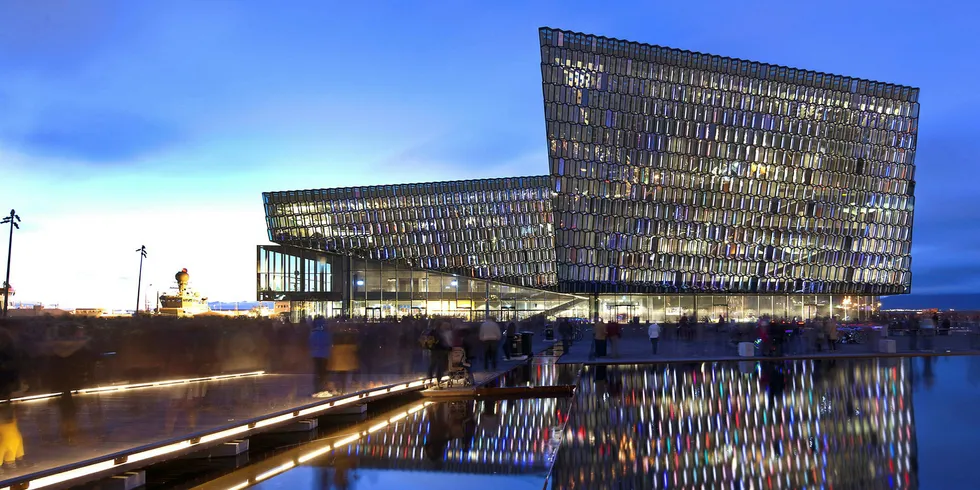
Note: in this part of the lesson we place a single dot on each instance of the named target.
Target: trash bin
(526, 343)
(516, 349)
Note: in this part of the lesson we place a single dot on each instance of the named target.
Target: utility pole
(142, 251)
(14, 221)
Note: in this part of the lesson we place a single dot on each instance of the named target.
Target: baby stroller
(459, 369)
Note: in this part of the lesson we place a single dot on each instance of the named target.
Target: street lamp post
(142, 251)
(14, 221)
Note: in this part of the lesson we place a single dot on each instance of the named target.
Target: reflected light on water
(770, 425)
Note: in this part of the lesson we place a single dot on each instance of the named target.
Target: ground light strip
(133, 386)
(265, 475)
(109, 464)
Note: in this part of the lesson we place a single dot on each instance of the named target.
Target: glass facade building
(497, 229)
(678, 182)
(681, 170)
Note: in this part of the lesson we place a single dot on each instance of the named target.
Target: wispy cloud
(97, 136)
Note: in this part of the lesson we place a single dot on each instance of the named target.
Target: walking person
(653, 331)
(490, 335)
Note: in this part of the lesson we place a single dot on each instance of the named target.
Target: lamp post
(13, 220)
(139, 280)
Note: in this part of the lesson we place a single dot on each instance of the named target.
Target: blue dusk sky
(125, 123)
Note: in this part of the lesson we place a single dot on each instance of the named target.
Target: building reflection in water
(481, 437)
(819, 424)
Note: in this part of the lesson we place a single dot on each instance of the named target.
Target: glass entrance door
(623, 313)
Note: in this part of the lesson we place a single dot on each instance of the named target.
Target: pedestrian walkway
(79, 435)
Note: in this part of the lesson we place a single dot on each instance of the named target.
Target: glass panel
(779, 307)
(765, 306)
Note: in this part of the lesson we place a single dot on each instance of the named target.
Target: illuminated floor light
(109, 464)
(133, 386)
(274, 471)
(315, 454)
(347, 440)
(33, 397)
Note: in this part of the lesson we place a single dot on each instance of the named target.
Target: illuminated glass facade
(497, 229)
(678, 175)
(725, 425)
(741, 308)
(332, 284)
(676, 170)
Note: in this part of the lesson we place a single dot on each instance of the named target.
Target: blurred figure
(10, 366)
(345, 358)
(463, 423)
(566, 333)
(508, 339)
(614, 332)
(344, 466)
(11, 441)
(913, 328)
(830, 324)
(320, 341)
(600, 335)
(437, 341)
(437, 440)
(71, 361)
(68, 418)
(188, 402)
(777, 332)
(490, 336)
(653, 331)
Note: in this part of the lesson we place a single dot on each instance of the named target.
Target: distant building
(92, 312)
(35, 311)
(679, 183)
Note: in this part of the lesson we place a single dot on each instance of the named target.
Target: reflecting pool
(459, 444)
(820, 424)
(883, 423)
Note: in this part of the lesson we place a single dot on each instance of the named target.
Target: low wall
(40, 355)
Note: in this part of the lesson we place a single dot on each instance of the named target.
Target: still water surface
(888, 423)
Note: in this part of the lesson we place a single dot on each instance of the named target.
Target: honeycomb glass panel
(421, 224)
(803, 157)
